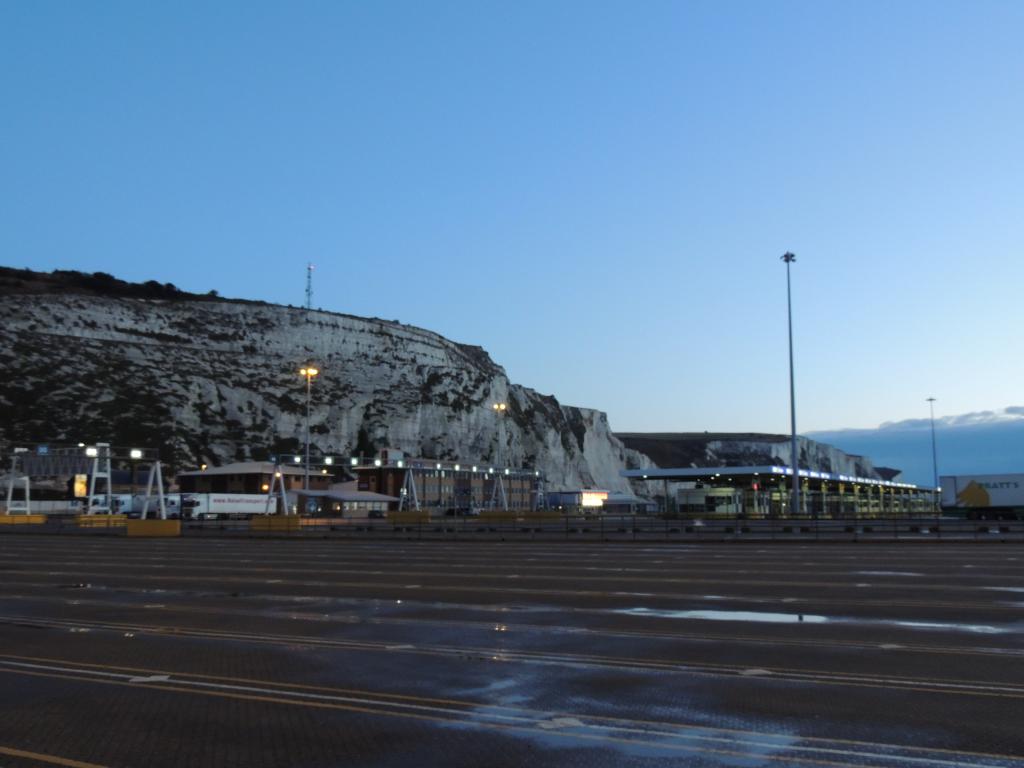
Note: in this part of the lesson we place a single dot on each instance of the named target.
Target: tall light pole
(309, 372)
(789, 258)
(935, 460)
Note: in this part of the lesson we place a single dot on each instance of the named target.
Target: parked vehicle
(223, 506)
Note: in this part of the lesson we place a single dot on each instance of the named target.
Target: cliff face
(696, 449)
(206, 379)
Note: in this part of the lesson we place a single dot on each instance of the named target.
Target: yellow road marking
(50, 759)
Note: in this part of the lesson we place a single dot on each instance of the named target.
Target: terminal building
(764, 492)
(447, 487)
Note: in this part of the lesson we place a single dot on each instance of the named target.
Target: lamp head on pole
(309, 371)
(788, 257)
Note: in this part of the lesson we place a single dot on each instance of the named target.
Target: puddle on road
(978, 629)
(572, 732)
(809, 618)
(759, 616)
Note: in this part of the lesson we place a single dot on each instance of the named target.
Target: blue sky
(597, 193)
(990, 442)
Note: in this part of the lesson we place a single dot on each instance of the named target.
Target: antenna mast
(309, 286)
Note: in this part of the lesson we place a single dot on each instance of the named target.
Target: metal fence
(571, 528)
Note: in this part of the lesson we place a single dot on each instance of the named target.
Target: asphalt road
(200, 652)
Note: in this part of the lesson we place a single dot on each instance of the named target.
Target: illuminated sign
(81, 486)
(593, 498)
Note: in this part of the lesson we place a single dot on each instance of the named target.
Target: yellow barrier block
(499, 515)
(408, 517)
(543, 516)
(275, 523)
(161, 528)
(22, 519)
(101, 521)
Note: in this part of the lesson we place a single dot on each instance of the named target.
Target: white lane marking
(150, 679)
(528, 657)
(542, 720)
(561, 722)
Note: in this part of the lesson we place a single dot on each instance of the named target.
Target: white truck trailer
(984, 496)
(223, 506)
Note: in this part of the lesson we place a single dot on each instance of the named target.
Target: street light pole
(789, 258)
(500, 409)
(135, 454)
(935, 460)
(309, 372)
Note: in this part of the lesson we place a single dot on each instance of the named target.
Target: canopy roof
(747, 474)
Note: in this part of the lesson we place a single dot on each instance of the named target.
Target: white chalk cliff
(207, 379)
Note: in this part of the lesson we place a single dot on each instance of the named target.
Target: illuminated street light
(310, 373)
(500, 407)
(135, 454)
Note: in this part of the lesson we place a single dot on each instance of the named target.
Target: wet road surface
(117, 652)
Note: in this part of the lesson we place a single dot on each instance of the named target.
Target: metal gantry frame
(155, 474)
(277, 484)
(15, 476)
(408, 490)
(100, 471)
(498, 495)
(47, 460)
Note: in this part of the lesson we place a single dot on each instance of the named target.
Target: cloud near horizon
(1011, 413)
